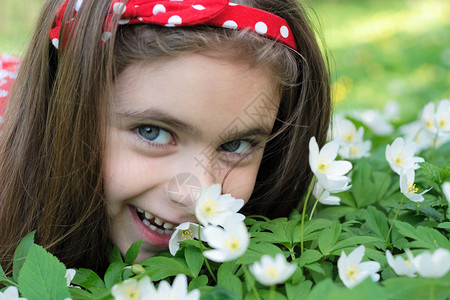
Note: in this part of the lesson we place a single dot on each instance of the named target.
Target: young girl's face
(194, 117)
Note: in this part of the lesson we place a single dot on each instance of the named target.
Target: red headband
(219, 13)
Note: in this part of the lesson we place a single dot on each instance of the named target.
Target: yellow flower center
(272, 272)
(442, 122)
(349, 136)
(187, 234)
(429, 124)
(354, 150)
(132, 294)
(210, 208)
(232, 244)
(399, 159)
(412, 188)
(322, 166)
(408, 262)
(353, 272)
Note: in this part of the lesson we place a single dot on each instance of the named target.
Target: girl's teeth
(140, 210)
(158, 221)
(146, 222)
(148, 215)
(152, 227)
(168, 226)
(160, 231)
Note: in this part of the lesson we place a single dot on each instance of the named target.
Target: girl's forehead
(199, 90)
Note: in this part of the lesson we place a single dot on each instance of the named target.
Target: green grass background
(380, 50)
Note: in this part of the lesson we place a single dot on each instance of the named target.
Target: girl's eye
(154, 134)
(236, 146)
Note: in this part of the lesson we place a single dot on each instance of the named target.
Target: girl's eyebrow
(155, 114)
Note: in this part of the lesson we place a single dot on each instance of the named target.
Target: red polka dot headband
(170, 13)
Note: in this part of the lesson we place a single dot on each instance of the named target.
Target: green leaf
(230, 281)
(431, 172)
(303, 289)
(87, 279)
(194, 259)
(198, 282)
(418, 288)
(80, 294)
(163, 267)
(21, 253)
(444, 172)
(42, 276)
(219, 293)
(307, 257)
(115, 255)
(328, 237)
(424, 237)
(445, 225)
(366, 290)
(377, 222)
(363, 189)
(113, 274)
(355, 240)
(133, 252)
(310, 227)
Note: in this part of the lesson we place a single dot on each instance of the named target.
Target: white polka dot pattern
(261, 28)
(230, 24)
(9, 66)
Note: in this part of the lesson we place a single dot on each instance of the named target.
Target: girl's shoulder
(9, 65)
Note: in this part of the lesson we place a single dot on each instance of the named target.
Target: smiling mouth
(154, 223)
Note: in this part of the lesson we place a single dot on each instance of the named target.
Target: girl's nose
(192, 173)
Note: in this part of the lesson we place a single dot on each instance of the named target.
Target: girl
(116, 100)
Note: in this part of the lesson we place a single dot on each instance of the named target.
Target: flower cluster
(352, 145)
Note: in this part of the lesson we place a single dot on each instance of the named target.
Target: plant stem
(395, 217)
(272, 292)
(382, 183)
(432, 289)
(12, 283)
(315, 205)
(247, 276)
(303, 212)
(206, 260)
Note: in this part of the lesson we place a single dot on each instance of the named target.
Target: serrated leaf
(309, 256)
(163, 267)
(328, 237)
(356, 240)
(229, 281)
(303, 289)
(133, 252)
(444, 172)
(431, 172)
(198, 282)
(87, 279)
(21, 253)
(310, 227)
(115, 256)
(377, 222)
(42, 276)
(113, 274)
(194, 259)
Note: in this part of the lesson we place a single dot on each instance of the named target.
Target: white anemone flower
(352, 271)
(324, 196)
(433, 265)
(446, 190)
(376, 122)
(133, 289)
(269, 271)
(184, 231)
(328, 171)
(414, 132)
(213, 208)
(178, 290)
(408, 187)
(356, 150)
(228, 242)
(344, 131)
(442, 117)
(70, 274)
(427, 117)
(400, 155)
(400, 265)
(11, 293)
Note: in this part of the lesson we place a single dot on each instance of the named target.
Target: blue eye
(154, 134)
(236, 146)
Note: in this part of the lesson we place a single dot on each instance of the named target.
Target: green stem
(303, 212)
(272, 292)
(433, 149)
(315, 205)
(247, 276)
(9, 281)
(432, 290)
(382, 183)
(206, 260)
(395, 217)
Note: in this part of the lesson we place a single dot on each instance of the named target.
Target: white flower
(344, 131)
(229, 242)
(439, 120)
(433, 265)
(400, 265)
(133, 289)
(11, 293)
(374, 120)
(184, 231)
(391, 110)
(352, 271)
(178, 290)
(328, 171)
(70, 274)
(270, 271)
(400, 155)
(324, 196)
(446, 190)
(213, 208)
(414, 132)
(408, 188)
(356, 150)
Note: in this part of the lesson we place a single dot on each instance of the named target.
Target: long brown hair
(52, 143)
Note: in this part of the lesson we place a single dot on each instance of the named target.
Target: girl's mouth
(155, 230)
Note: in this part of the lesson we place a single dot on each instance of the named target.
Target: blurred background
(379, 50)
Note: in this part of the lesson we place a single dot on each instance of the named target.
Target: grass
(380, 49)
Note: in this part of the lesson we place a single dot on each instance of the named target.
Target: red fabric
(9, 66)
(170, 13)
